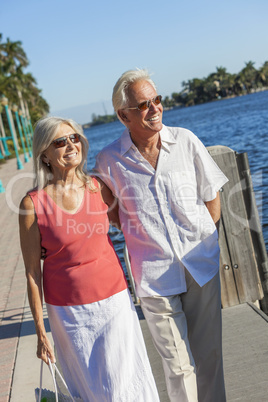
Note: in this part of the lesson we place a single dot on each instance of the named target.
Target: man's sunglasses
(62, 141)
(147, 104)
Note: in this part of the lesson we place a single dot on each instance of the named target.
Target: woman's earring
(48, 164)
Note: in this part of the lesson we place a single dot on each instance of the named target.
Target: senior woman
(93, 321)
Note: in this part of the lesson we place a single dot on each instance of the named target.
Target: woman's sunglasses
(147, 104)
(62, 141)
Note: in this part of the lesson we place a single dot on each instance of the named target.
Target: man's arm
(111, 202)
(214, 208)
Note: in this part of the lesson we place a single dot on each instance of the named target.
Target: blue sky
(78, 49)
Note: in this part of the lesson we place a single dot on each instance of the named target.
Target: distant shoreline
(101, 119)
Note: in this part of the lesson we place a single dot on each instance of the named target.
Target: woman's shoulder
(34, 191)
(27, 201)
(93, 184)
(26, 204)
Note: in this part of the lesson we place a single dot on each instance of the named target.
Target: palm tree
(193, 91)
(262, 75)
(13, 55)
(224, 79)
(248, 76)
(15, 84)
(211, 87)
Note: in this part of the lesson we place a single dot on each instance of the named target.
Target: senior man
(167, 187)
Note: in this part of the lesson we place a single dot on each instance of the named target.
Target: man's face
(143, 123)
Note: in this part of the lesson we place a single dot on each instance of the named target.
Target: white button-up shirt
(166, 225)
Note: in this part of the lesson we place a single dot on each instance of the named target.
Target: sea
(239, 123)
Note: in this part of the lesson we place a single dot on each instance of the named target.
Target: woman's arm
(31, 250)
(111, 202)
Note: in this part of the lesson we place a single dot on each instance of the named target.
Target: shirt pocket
(183, 190)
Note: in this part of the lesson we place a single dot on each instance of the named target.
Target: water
(240, 123)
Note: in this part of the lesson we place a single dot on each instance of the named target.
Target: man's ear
(123, 116)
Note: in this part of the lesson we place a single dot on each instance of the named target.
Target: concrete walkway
(12, 284)
(245, 354)
(245, 329)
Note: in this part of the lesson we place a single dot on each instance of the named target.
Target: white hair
(120, 91)
(44, 133)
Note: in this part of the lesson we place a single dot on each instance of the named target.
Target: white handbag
(56, 395)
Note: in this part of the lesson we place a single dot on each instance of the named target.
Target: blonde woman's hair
(45, 131)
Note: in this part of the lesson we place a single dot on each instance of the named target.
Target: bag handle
(51, 366)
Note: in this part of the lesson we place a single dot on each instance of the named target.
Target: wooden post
(239, 270)
(255, 225)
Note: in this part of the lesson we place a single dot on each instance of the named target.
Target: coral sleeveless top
(81, 265)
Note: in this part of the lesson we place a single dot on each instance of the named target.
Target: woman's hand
(45, 350)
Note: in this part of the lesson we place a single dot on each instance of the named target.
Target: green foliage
(220, 84)
(19, 87)
(217, 85)
(103, 119)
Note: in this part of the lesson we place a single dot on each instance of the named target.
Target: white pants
(187, 333)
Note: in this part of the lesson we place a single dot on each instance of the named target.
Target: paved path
(245, 355)
(12, 284)
(245, 329)
(17, 333)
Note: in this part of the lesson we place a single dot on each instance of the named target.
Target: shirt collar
(165, 134)
(167, 138)
(126, 142)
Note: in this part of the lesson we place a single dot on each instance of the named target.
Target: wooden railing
(243, 257)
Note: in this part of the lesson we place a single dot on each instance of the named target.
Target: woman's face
(66, 157)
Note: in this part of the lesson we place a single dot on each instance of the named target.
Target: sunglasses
(62, 141)
(147, 104)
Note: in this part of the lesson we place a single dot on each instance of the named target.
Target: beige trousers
(187, 333)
